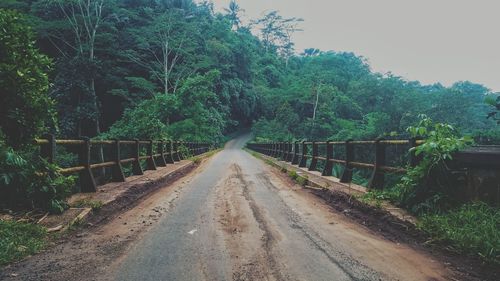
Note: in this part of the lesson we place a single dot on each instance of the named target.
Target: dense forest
(177, 69)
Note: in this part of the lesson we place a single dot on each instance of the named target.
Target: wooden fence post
(150, 162)
(117, 170)
(295, 159)
(377, 179)
(175, 151)
(170, 157)
(161, 151)
(349, 157)
(275, 149)
(87, 182)
(303, 158)
(327, 171)
(136, 165)
(48, 151)
(282, 151)
(289, 155)
(314, 159)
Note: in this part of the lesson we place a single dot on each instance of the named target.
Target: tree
(163, 45)
(276, 33)
(233, 14)
(495, 107)
(84, 18)
(26, 109)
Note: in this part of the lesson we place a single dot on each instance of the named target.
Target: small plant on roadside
(428, 186)
(293, 175)
(95, 205)
(302, 180)
(283, 169)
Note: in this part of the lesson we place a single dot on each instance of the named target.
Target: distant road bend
(233, 218)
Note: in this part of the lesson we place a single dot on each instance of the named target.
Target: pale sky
(427, 40)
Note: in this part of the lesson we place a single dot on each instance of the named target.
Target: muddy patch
(247, 235)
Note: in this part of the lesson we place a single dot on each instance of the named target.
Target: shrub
(36, 184)
(430, 186)
(26, 109)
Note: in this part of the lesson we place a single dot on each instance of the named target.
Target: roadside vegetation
(429, 190)
(20, 239)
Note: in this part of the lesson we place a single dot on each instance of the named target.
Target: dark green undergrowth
(18, 240)
(473, 229)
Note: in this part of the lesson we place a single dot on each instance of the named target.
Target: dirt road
(234, 218)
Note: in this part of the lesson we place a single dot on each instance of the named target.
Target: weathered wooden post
(177, 156)
(48, 151)
(276, 149)
(161, 151)
(314, 158)
(327, 171)
(349, 157)
(282, 151)
(136, 165)
(170, 157)
(87, 182)
(150, 161)
(303, 158)
(289, 155)
(117, 170)
(377, 178)
(295, 159)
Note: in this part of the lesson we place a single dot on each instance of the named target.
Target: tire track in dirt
(248, 237)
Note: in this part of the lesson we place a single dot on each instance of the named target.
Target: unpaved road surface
(234, 218)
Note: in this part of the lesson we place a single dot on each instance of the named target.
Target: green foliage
(26, 109)
(302, 180)
(470, 229)
(293, 175)
(18, 240)
(430, 185)
(35, 184)
(95, 205)
(495, 107)
(146, 121)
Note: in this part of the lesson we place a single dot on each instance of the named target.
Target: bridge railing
(477, 167)
(309, 154)
(155, 153)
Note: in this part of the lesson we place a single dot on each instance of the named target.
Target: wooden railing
(155, 153)
(307, 154)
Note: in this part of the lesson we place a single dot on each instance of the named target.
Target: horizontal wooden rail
(154, 152)
(307, 154)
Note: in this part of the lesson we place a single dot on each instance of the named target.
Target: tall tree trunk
(166, 70)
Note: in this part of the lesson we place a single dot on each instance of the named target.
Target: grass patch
(376, 197)
(95, 205)
(293, 175)
(302, 180)
(18, 240)
(472, 229)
